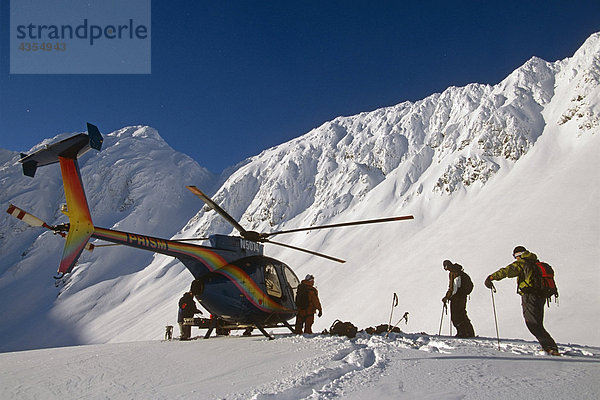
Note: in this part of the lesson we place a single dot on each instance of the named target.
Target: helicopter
(233, 280)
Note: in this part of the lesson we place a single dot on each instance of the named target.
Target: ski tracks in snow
(343, 365)
(400, 366)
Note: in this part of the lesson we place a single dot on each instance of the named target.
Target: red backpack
(542, 279)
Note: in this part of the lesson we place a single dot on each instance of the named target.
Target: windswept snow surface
(401, 366)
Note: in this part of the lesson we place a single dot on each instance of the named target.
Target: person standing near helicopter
(307, 303)
(187, 309)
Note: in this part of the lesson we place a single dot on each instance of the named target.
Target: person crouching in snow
(307, 302)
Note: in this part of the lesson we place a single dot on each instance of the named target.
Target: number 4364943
(48, 46)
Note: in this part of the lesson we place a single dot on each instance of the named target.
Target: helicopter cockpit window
(272, 282)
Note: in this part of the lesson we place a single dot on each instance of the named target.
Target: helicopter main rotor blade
(364, 222)
(218, 209)
(314, 253)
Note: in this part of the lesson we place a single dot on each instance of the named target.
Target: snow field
(404, 366)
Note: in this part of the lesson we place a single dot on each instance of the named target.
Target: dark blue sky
(230, 80)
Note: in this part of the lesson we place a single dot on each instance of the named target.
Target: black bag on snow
(340, 328)
(302, 297)
(383, 328)
(542, 279)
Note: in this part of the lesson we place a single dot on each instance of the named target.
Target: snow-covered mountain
(482, 168)
(136, 182)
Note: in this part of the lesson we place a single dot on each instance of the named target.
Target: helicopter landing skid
(264, 332)
(223, 328)
(287, 325)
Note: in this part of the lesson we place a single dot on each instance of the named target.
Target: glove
(444, 299)
(488, 282)
(320, 313)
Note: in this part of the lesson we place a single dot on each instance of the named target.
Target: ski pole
(450, 325)
(492, 290)
(404, 317)
(442, 319)
(394, 304)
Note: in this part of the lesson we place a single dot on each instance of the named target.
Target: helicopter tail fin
(80, 220)
(66, 153)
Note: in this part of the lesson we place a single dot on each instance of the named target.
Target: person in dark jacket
(532, 304)
(308, 306)
(457, 296)
(187, 309)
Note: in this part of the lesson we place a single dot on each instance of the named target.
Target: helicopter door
(291, 279)
(272, 281)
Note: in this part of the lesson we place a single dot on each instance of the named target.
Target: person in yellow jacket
(307, 302)
(532, 303)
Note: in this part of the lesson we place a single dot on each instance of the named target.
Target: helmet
(518, 251)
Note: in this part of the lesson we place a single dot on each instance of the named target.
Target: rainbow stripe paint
(245, 284)
(212, 261)
(81, 227)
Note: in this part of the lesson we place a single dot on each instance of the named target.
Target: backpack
(466, 284)
(542, 279)
(302, 297)
(340, 328)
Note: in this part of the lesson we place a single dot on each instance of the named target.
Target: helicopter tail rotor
(34, 221)
(26, 217)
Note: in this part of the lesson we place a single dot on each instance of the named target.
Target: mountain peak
(139, 131)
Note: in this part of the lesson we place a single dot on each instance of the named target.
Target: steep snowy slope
(482, 168)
